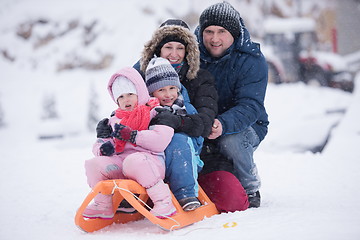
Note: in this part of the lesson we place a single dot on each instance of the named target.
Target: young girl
(163, 83)
(131, 152)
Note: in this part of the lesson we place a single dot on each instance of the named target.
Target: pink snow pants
(143, 167)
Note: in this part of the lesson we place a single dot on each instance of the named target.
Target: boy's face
(174, 52)
(127, 101)
(217, 40)
(166, 95)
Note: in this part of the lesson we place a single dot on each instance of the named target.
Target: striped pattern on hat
(159, 73)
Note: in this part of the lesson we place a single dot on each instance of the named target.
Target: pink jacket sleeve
(156, 139)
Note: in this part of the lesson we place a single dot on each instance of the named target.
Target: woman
(174, 42)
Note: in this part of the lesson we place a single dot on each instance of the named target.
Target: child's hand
(124, 133)
(165, 117)
(107, 149)
(103, 129)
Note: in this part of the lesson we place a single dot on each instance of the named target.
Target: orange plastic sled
(124, 189)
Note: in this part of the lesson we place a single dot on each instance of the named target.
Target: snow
(306, 194)
(281, 25)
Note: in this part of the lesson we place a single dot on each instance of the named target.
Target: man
(240, 71)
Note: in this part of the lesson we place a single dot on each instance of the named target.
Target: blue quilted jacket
(241, 77)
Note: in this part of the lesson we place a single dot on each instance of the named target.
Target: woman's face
(174, 52)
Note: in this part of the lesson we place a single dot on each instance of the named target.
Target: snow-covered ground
(305, 195)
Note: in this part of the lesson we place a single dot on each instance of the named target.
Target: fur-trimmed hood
(192, 51)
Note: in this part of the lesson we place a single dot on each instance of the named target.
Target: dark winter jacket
(241, 81)
(199, 83)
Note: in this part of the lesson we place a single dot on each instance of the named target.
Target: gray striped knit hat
(221, 14)
(159, 73)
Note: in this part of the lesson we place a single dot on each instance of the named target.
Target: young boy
(131, 152)
(163, 83)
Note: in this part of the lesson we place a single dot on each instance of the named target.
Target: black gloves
(124, 133)
(165, 117)
(107, 149)
(103, 129)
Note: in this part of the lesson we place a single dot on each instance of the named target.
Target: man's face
(217, 40)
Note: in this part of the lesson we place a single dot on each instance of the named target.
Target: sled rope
(177, 224)
(226, 225)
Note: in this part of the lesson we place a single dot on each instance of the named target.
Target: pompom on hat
(122, 85)
(221, 14)
(159, 73)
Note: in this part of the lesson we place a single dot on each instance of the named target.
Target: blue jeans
(239, 148)
(182, 166)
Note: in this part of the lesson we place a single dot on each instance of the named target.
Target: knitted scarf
(177, 66)
(137, 119)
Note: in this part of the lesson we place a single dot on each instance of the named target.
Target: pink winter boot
(101, 208)
(161, 197)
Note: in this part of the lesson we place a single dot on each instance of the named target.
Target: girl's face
(166, 95)
(174, 52)
(127, 101)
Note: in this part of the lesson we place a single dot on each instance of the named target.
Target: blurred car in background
(294, 54)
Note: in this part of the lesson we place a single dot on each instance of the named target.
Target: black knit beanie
(221, 14)
(176, 22)
(170, 38)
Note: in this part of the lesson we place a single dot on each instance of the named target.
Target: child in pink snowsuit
(135, 151)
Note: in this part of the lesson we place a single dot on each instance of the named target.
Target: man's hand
(216, 130)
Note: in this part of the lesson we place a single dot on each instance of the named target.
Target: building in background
(348, 26)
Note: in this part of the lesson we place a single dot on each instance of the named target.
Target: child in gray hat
(163, 83)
